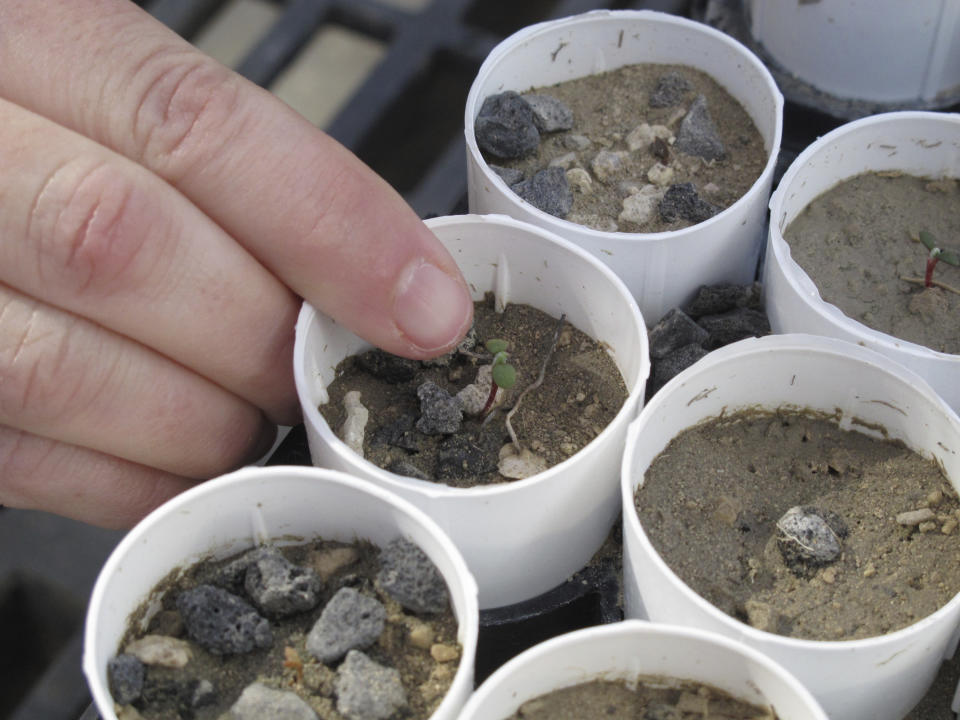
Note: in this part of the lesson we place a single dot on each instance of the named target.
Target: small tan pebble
(660, 174)
(160, 650)
(870, 570)
(949, 526)
(934, 498)
(829, 575)
(915, 517)
(421, 635)
(128, 712)
(437, 684)
(328, 562)
(579, 179)
(568, 448)
(580, 397)
(319, 678)
(442, 652)
(928, 526)
(692, 703)
(761, 615)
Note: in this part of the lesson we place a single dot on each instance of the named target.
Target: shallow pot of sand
(524, 536)
(858, 530)
(663, 223)
(270, 509)
(843, 257)
(603, 670)
(837, 56)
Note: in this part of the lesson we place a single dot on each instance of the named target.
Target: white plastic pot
(888, 52)
(626, 651)
(918, 143)
(662, 270)
(877, 678)
(236, 511)
(524, 537)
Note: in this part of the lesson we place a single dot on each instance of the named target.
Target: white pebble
(660, 174)
(160, 650)
(355, 423)
(641, 206)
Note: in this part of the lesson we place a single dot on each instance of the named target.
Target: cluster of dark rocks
(718, 315)
(510, 126)
(440, 417)
(232, 612)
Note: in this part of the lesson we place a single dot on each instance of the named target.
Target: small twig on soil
(936, 283)
(535, 384)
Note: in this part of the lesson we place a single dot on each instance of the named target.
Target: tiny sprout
(504, 374)
(937, 253)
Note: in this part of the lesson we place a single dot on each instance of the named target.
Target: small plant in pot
(845, 256)
(559, 311)
(608, 127)
(831, 562)
(936, 254)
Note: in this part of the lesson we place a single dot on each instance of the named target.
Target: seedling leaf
(504, 375)
(928, 239)
(496, 345)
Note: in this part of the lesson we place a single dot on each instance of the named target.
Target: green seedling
(937, 253)
(504, 374)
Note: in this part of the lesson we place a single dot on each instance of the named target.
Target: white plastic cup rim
(798, 278)
(574, 644)
(464, 585)
(474, 101)
(775, 343)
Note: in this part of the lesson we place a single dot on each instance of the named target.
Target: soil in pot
(860, 244)
(799, 528)
(650, 698)
(644, 148)
(426, 419)
(318, 630)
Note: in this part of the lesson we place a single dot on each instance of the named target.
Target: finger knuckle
(88, 227)
(42, 378)
(185, 113)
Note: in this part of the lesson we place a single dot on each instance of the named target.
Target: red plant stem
(490, 398)
(928, 276)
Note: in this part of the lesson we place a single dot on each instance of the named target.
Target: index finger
(302, 204)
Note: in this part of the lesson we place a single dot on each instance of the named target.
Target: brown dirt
(859, 240)
(654, 698)
(607, 107)
(711, 501)
(581, 393)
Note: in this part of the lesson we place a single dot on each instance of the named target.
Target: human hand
(159, 216)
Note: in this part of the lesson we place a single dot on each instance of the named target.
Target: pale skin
(160, 220)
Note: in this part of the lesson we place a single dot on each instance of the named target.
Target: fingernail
(432, 309)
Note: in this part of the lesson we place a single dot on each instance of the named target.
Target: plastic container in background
(662, 270)
(527, 536)
(889, 53)
(236, 511)
(877, 678)
(918, 143)
(633, 648)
